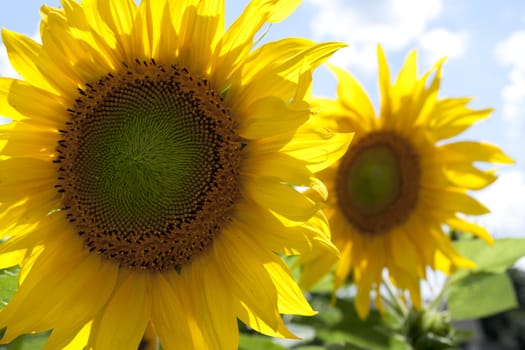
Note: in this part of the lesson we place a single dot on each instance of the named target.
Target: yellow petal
(344, 265)
(288, 240)
(467, 151)
(93, 272)
(29, 141)
(21, 177)
(273, 53)
(46, 109)
(253, 320)
(269, 193)
(62, 269)
(249, 280)
(214, 306)
(173, 330)
(318, 266)
(467, 176)
(238, 39)
(85, 31)
(183, 285)
(384, 84)
(80, 340)
(146, 28)
(465, 226)
(453, 201)
(407, 77)
(340, 118)
(204, 26)
(290, 299)
(284, 78)
(70, 47)
(6, 109)
(118, 17)
(317, 146)
(288, 169)
(446, 257)
(282, 9)
(270, 116)
(23, 53)
(354, 98)
(452, 117)
(404, 253)
(165, 40)
(123, 320)
(11, 259)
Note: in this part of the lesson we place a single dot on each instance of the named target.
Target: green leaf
(495, 258)
(463, 335)
(8, 285)
(480, 294)
(257, 342)
(325, 284)
(27, 342)
(371, 333)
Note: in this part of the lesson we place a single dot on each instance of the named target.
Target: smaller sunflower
(400, 183)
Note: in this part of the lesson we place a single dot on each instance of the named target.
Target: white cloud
(506, 199)
(6, 70)
(440, 42)
(511, 52)
(398, 25)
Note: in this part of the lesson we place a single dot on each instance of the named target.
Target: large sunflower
(400, 182)
(146, 176)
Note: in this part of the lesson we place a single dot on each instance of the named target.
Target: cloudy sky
(484, 41)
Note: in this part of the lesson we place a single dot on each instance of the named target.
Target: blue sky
(484, 41)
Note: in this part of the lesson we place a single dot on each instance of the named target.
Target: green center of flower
(373, 180)
(378, 182)
(148, 166)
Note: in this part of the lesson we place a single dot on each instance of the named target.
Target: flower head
(146, 176)
(400, 182)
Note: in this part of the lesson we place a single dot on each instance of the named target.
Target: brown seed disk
(148, 166)
(407, 171)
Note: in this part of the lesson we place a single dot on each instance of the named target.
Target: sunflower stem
(395, 300)
(436, 303)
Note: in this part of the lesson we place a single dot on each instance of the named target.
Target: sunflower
(147, 178)
(400, 182)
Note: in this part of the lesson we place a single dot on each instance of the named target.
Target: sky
(484, 41)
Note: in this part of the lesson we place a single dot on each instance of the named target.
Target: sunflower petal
(270, 116)
(267, 192)
(311, 145)
(467, 151)
(23, 53)
(465, 226)
(123, 320)
(353, 97)
(217, 322)
(261, 301)
(174, 332)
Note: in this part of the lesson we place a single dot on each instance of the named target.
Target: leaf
(480, 294)
(371, 333)
(338, 327)
(495, 258)
(325, 285)
(27, 342)
(8, 285)
(257, 342)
